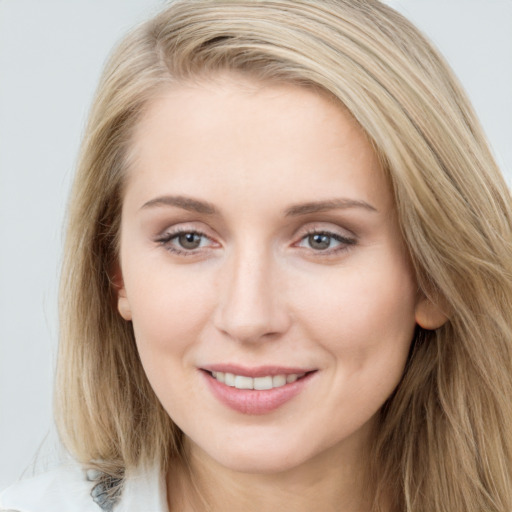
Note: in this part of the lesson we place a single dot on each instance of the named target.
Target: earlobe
(123, 305)
(428, 315)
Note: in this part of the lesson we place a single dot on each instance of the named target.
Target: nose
(252, 306)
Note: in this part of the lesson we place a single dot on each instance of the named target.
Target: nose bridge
(251, 306)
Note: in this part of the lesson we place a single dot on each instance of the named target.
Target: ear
(123, 305)
(429, 315)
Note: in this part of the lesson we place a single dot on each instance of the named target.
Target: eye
(325, 241)
(320, 241)
(184, 242)
(189, 241)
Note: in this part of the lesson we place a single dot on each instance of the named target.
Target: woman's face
(260, 249)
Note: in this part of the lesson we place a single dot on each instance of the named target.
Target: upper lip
(256, 371)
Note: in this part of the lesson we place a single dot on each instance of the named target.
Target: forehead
(238, 133)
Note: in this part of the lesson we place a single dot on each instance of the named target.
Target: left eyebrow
(323, 206)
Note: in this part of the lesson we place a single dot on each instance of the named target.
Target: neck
(329, 482)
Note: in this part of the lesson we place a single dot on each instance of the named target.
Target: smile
(259, 390)
(257, 383)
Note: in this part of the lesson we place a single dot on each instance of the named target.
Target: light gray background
(51, 53)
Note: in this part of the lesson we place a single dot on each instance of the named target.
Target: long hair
(444, 438)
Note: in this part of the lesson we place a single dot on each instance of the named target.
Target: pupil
(190, 240)
(319, 241)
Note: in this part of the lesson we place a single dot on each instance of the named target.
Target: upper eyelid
(327, 228)
(328, 231)
(182, 227)
(170, 235)
(303, 231)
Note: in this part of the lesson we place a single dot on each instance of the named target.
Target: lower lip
(251, 401)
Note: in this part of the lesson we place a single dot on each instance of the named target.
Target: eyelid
(185, 227)
(166, 237)
(346, 238)
(327, 228)
(335, 236)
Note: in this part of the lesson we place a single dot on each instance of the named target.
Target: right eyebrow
(184, 202)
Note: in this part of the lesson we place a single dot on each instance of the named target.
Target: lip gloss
(252, 401)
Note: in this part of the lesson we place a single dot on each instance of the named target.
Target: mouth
(258, 383)
(259, 390)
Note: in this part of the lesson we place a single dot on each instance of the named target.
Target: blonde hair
(444, 441)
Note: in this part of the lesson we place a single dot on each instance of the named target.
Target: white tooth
(291, 378)
(243, 382)
(229, 379)
(263, 382)
(220, 376)
(214, 375)
(278, 381)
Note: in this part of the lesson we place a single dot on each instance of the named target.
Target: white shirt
(68, 489)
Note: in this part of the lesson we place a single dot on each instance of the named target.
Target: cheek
(169, 311)
(365, 324)
(362, 318)
(168, 318)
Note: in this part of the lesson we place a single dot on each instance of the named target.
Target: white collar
(68, 488)
(144, 489)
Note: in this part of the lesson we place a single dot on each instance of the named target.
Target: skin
(259, 290)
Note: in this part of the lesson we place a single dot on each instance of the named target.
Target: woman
(288, 278)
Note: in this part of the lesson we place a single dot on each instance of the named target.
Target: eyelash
(166, 239)
(345, 242)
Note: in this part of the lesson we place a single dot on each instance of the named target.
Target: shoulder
(70, 488)
(60, 490)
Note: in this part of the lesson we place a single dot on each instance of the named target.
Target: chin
(260, 457)
(258, 463)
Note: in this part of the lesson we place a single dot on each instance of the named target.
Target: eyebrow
(186, 203)
(323, 206)
(206, 208)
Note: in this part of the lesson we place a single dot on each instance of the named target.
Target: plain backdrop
(51, 54)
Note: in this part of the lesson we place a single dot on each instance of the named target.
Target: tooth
(229, 379)
(258, 383)
(263, 383)
(278, 381)
(242, 382)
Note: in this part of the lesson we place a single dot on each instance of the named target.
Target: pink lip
(255, 402)
(258, 371)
